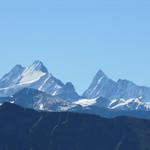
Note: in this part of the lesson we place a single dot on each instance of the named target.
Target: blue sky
(75, 39)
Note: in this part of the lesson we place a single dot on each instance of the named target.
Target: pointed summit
(38, 66)
(18, 68)
(10, 78)
(101, 86)
(100, 74)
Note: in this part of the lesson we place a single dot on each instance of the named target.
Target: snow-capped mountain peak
(31, 76)
(37, 66)
(12, 77)
(35, 76)
(36, 88)
(102, 86)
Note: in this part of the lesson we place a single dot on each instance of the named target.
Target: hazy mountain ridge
(34, 87)
(35, 76)
(103, 86)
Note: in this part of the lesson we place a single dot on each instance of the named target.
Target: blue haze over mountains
(34, 87)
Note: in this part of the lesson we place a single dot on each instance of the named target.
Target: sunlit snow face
(86, 102)
(30, 77)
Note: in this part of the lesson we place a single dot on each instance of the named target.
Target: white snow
(98, 83)
(131, 103)
(27, 78)
(85, 102)
(112, 102)
(30, 76)
(118, 104)
(41, 87)
(147, 105)
(6, 88)
(32, 67)
(54, 93)
(41, 107)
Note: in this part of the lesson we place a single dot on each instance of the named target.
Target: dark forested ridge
(25, 129)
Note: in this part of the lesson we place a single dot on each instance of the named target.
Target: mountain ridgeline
(34, 87)
(102, 86)
(37, 77)
(40, 112)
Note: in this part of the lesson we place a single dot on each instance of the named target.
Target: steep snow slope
(37, 77)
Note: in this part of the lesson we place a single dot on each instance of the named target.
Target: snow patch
(30, 76)
(41, 107)
(85, 102)
(131, 104)
(91, 91)
(41, 87)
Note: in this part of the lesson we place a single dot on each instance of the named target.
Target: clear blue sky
(76, 38)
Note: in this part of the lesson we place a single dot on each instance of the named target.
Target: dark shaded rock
(25, 129)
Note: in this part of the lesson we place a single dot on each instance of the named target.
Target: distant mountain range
(34, 87)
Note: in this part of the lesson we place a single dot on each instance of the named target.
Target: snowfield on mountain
(34, 87)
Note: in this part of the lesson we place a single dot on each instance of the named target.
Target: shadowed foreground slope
(24, 129)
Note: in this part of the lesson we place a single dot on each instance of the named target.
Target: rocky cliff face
(102, 86)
